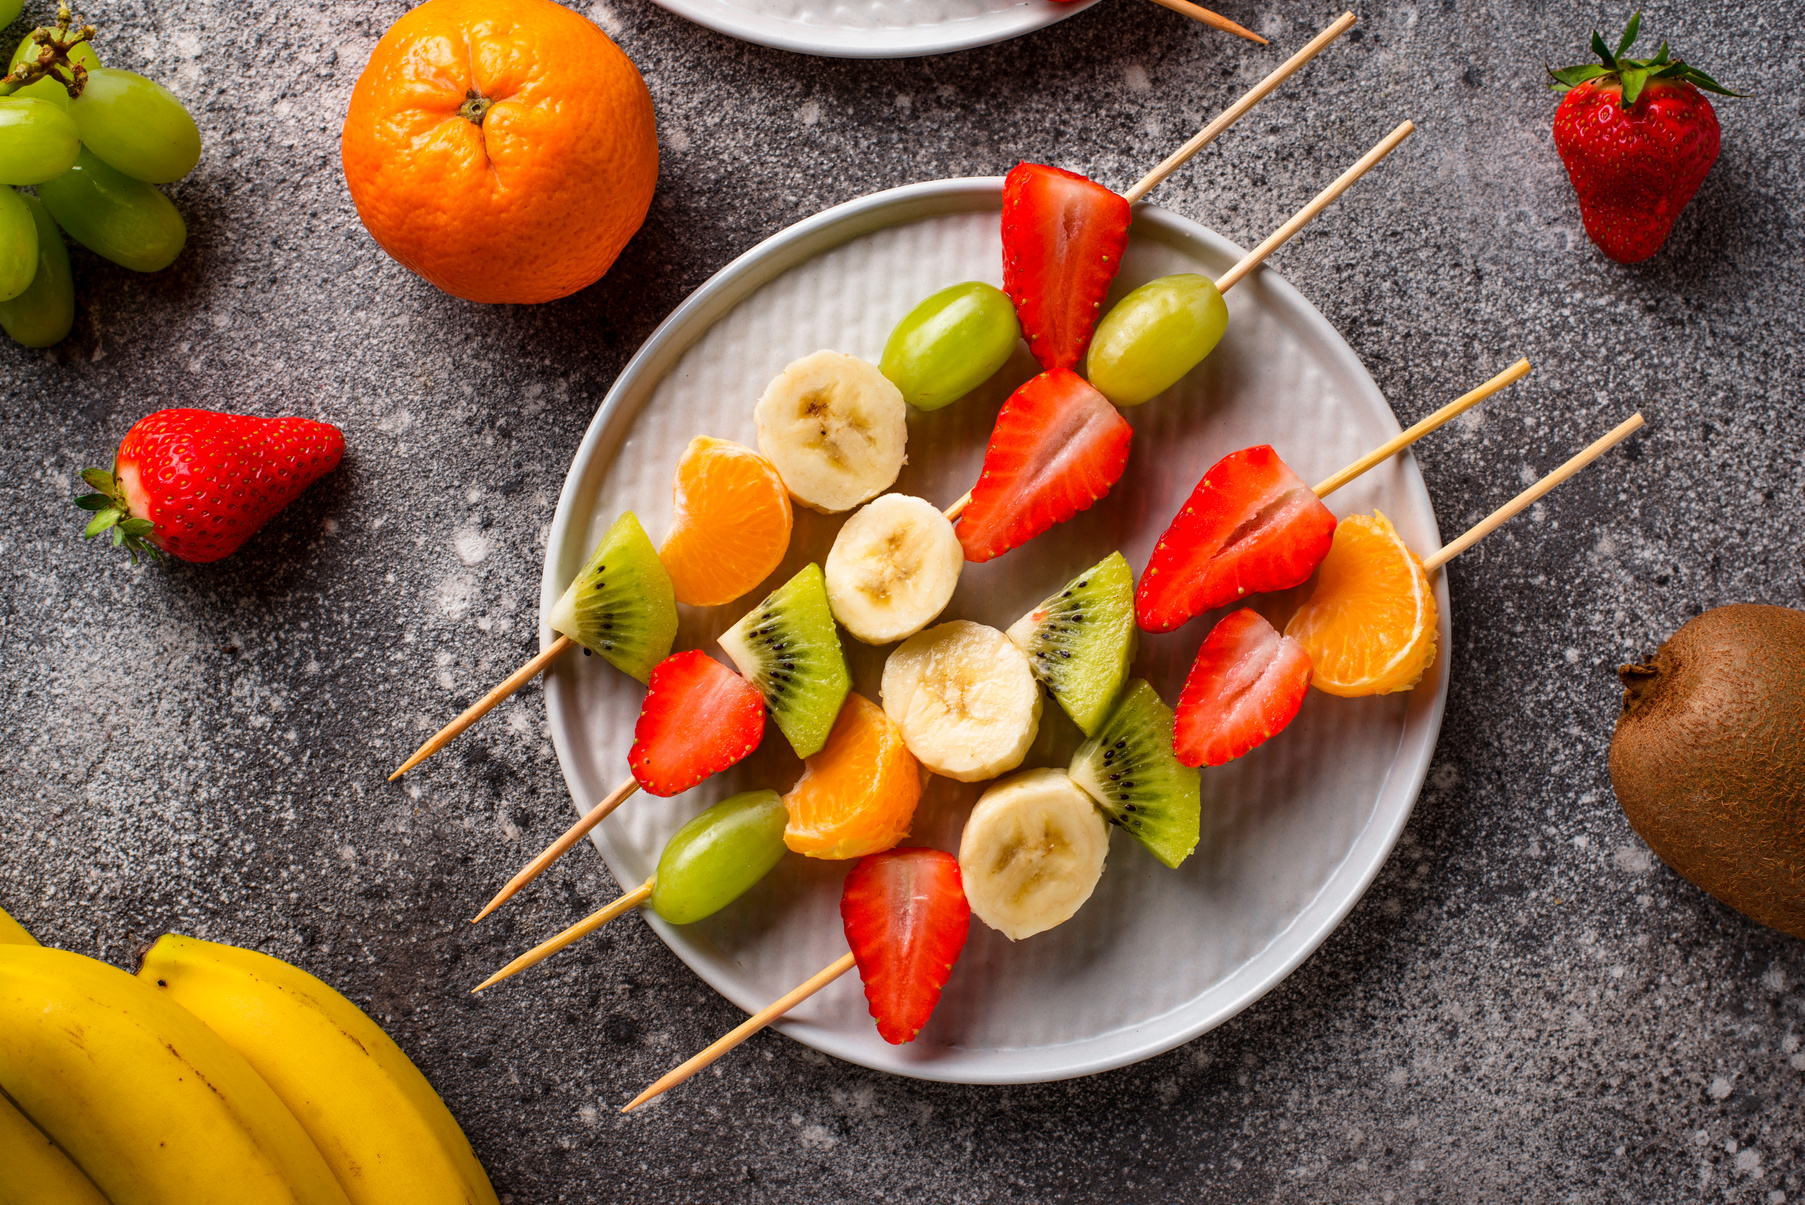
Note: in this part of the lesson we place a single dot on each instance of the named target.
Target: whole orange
(503, 149)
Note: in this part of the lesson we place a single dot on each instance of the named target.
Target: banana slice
(893, 568)
(965, 699)
(836, 429)
(1032, 852)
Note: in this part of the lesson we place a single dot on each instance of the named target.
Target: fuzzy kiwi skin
(1708, 759)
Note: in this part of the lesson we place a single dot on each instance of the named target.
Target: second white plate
(1292, 834)
(875, 29)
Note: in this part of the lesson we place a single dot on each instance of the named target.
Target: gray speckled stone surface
(1526, 1006)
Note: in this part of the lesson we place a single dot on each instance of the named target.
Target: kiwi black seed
(1708, 759)
(1129, 768)
(1080, 641)
(621, 603)
(788, 647)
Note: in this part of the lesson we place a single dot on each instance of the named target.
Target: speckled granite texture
(1525, 1007)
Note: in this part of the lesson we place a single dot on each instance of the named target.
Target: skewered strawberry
(1638, 139)
(1249, 527)
(1057, 447)
(196, 484)
(1063, 239)
(1246, 685)
(699, 718)
(906, 920)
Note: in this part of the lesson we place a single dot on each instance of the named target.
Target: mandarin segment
(857, 796)
(731, 526)
(1369, 625)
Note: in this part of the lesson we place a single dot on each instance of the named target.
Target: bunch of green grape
(94, 141)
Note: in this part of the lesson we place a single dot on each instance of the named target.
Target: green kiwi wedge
(1130, 770)
(788, 647)
(621, 604)
(1080, 641)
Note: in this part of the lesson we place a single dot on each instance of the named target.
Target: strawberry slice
(699, 718)
(1250, 526)
(1058, 446)
(1063, 238)
(906, 919)
(1245, 686)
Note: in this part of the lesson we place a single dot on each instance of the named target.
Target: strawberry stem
(113, 513)
(1632, 74)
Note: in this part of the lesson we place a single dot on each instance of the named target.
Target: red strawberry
(1637, 139)
(906, 919)
(699, 717)
(197, 484)
(1245, 686)
(1063, 238)
(1250, 526)
(1058, 446)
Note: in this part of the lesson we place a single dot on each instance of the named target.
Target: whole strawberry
(197, 484)
(1637, 138)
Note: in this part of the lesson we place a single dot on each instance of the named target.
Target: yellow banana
(383, 1130)
(12, 933)
(141, 1096)
(36, 1173)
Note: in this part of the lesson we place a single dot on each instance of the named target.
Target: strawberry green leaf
(118, 538)
(100, 523)
(93, 502)
(1660, 59)
(1573, 77)
(1602, 51)
(1634, 80)
(100, 479)
(1629, 33)
(137, 527)
(1699, 79)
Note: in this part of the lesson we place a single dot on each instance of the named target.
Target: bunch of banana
(216, 1075)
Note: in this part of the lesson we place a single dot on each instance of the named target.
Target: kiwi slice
(620, 604)
(1081, 640)
(1130, 770)
(788, 647)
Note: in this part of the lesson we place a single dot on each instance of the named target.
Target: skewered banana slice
(1032, 852)
(836, 429)
(965, 699)
(893, 568)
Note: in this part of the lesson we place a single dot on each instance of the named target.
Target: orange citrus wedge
(1369, 625)
(732, 523)
(857, 796)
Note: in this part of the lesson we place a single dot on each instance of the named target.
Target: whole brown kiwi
(1709, 758)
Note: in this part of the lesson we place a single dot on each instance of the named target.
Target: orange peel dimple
(1369, 625)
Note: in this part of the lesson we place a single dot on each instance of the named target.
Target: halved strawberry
(1250, 526)
(1245, 686)
(906, 919)
(699, 718)
(1058, 446)
(1063, 238)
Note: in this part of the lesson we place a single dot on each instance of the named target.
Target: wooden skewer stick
(750, 1026)
(1236, 111)
(1440, 418)
(1509, 510)
(556, 849)
(486, 704)
(1283, 234)
(1214, 20)
(582, 928)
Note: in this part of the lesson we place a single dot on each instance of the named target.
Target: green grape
(38, 142)
(9, 11)
(49, 89)
(1154, 336)
(950, 344)
(45, 311)
(18, 245)
(718, 856)
(111, 214)
(136, 125)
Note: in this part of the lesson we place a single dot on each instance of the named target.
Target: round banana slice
(836, 429)
(1032, 852)
(965, 699)
(893, 568)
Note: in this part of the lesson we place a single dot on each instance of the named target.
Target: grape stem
(53, 62)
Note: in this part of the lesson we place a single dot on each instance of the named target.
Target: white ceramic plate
(874, 29)
(1293, 833)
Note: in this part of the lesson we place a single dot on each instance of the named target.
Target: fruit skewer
(1204, 16)
(1208, 134)
(627, 788)
(834, 970)
(1025, 435)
